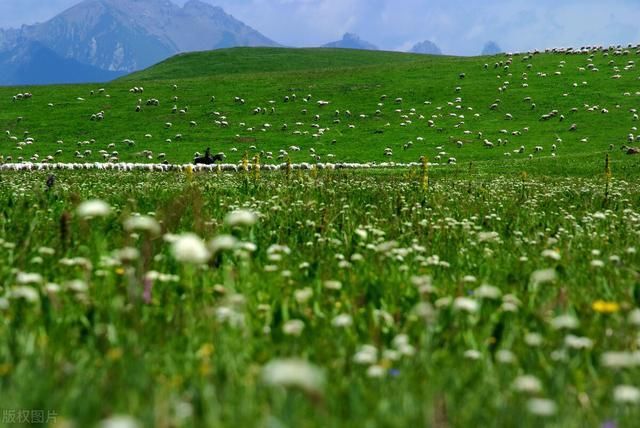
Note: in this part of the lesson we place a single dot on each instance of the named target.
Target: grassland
(383, 290)
(353, 81)
(491, 291)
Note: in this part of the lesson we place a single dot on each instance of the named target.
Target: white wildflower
(189, 248)
(222, 243)
(566, 321)
(527, 383)
(424, 283)
(143, 223)
(577, 342)
(465, 304)
(615, 359)
(488, 236)
(375, 371)
(241, 218)
(333, 285)
(93, 208)
(542, 276)
(634, 317)
(25, 292)
(46, 251)
(119, 421)
(127, 254)
(541, 406)
(361, 233)
(626, 394)
(367, 354)
(28, 278)
(472, 354)
(533, 339)
(303, 295)
(77, 285)
(293, 327)
(505, 356)
(443, 302)
(486, 291)
(551, 254)
(294, 373)
(391, 355)
(424, 310)
(52, 288)
(342, 320)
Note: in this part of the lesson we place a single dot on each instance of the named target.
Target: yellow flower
(605, 307)
(5, 369)
(120, 271)
(205, 350)
(386, 364)
(205, 368)
(114, 354)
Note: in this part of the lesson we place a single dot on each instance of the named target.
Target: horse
(208, 159)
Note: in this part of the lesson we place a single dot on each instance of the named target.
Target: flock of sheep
(323, 119)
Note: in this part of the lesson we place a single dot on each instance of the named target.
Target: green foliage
(114, 324)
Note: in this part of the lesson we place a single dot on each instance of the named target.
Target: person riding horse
(208, 159)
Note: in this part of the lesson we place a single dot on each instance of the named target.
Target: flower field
(320, 298)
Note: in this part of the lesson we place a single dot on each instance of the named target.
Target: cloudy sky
(458, 26)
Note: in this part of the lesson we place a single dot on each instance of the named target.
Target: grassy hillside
(264, 60)
(358, 124)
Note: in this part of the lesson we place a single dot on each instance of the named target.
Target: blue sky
(458, 26)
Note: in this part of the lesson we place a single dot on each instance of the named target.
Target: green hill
(264, 60)
(445, 109)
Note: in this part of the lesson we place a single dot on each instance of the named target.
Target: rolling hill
(343, 105)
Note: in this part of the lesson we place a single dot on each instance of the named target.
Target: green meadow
(439, 112)
(496, 285)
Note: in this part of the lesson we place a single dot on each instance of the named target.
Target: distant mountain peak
(351, 41)
(351, 37)
(128, 35)
(427, 47)
(200, 6)
(491, 48)
(32, 62)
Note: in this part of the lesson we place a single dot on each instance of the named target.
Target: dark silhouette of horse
(209, 159)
